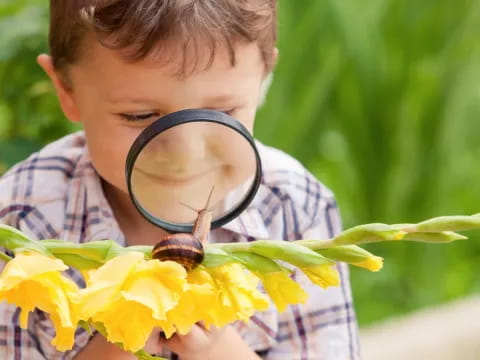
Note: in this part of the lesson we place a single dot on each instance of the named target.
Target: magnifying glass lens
(174, 171)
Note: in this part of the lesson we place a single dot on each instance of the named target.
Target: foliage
(385, 95)
(29, 112)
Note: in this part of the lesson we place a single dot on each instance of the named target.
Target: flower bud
(449, 223)
(434, 237)
(354, 255)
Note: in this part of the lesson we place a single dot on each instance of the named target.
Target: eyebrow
(139, 100)
(223, 98)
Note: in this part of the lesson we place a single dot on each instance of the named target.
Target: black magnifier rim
(178, 118)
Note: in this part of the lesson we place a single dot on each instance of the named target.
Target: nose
(181, 145)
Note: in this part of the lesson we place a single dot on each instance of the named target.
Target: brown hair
(140, 27)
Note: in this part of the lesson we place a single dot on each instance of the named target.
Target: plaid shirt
(56, 193)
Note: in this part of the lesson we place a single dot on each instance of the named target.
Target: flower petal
(156, 284)
(27, 265)
(237, 295)
(105, 284)
(372, 263)
(33, 280)
(131, 296)
(127, 322)
(282, 289)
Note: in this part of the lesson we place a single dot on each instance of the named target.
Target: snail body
(184, 248)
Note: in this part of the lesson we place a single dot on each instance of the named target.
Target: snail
(186, 249)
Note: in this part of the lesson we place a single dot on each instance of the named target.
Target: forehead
(111, 68)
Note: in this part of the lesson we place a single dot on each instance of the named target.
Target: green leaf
(15, 240)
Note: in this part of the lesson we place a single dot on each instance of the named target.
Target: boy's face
(115, 100)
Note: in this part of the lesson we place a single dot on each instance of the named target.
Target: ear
(275, 57)
(64, 92)
(267, 80)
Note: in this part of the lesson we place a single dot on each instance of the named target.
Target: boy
(117, 66)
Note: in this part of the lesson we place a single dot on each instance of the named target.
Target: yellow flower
(33, 280)
(130, 295)
(324, 275)
(194, 304)
(234, 294)
(282, 289)
(372, 263)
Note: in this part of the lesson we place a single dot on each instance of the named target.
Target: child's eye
(139, 117)
(229, 111)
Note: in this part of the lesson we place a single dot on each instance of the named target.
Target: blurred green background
(380, 99)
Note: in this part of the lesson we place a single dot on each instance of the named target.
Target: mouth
(179, 180)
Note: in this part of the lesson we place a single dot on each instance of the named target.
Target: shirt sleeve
(325, 327)
(33, 199)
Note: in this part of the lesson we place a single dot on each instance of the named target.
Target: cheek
(108, 140)
(108, 147)
(236, 154)
(246, 117)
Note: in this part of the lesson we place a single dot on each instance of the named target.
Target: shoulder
(41, 180)
(287, 177)
(291, 193)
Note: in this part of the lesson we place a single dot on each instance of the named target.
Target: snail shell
(185, 249)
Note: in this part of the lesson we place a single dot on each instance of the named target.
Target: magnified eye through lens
(178, 160)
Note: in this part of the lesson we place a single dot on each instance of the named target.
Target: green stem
(92, 254)
(78, 261)
(87, 250)
(231, 247)
(291, 252)
(316, 244)
(216, 256)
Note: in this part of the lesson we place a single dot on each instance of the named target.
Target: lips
(178, 180)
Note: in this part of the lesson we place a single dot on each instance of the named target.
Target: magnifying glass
(186, 158)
